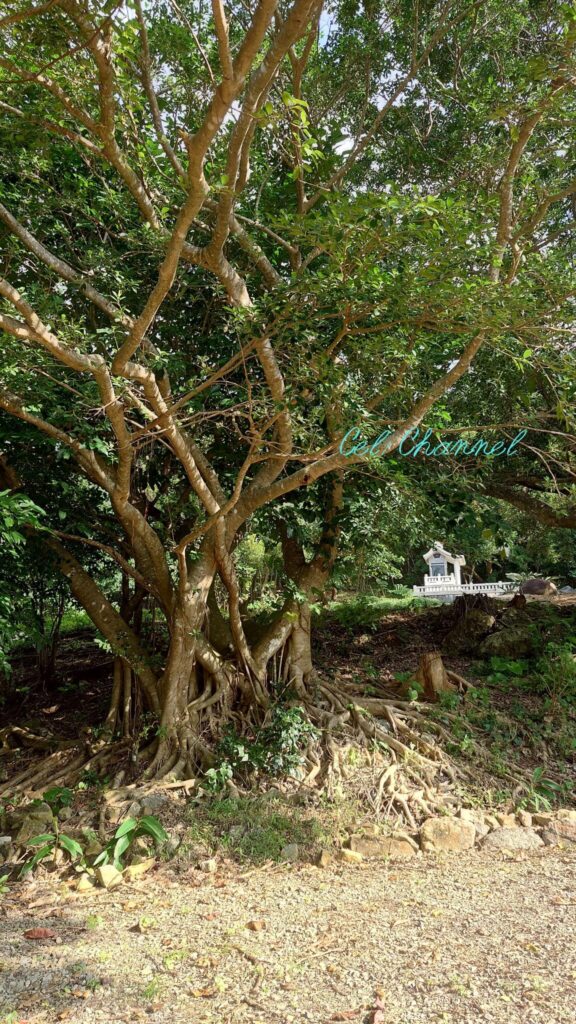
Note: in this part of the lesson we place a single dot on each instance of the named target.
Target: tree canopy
(229, 234)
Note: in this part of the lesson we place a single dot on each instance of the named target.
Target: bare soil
(468, 939)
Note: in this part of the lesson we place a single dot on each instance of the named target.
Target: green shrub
(276, 749)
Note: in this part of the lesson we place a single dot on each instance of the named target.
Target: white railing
(440, 587)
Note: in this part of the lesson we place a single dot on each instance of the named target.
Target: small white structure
(439, 582)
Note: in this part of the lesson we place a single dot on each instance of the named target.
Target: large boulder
(512, 839)
(447, 835)
(469, 631)
(538, 588)
(30, 821)
(507, 643)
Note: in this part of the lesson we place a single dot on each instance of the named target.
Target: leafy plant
(275, 750)
(48, 843)
(58, 797)
(542, 793)
(124, 836)
(557, 675)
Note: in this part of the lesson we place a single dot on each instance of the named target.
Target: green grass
(364, 609)
(253, 828)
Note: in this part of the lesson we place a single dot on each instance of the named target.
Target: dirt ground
(468, 939)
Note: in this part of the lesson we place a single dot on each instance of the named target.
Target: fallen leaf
(345, 1015)
(40, 933)
(256, 926)
(378, 1015)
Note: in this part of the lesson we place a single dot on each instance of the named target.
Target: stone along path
(472, 938)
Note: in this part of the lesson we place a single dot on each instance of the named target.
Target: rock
(542, 818)
(470, 814)
(383, 847)
(135, 871)
(65, 813)
(560, 833)
(154, 802)
(476, 817)
(139, 851)
(366, 846)
(566, 814)
(325, 859)
(507, 643)
(539, 588)
(350, 856)
(172, 845)
(512, 839)
(513, 617)
(524, 819)
(399, 847)
(490, 820)
(134, 810)
(92, 848)
(290, 853)
(473, 627)
(84, 883)
(566, 590)
(56, 858)
(5, 842)
(108, 877)
(209, 866)
(451, 835)
(31, 822)
(507, 820)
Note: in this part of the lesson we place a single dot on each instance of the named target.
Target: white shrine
(440, 582)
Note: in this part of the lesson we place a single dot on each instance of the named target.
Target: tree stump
(433, 677)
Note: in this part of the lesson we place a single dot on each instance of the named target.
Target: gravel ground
(471, 939)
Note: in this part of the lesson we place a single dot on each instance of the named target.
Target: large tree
(231, 232)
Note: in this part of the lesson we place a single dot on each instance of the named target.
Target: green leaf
(150, 826)
(69, 844)
(127, 826)
(41, 854)
(44, 838)
(120, 847)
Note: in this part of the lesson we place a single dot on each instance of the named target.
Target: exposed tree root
(14, 736)
(409, 773)
(61, 768)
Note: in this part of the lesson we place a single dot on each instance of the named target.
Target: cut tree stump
(433, 677)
